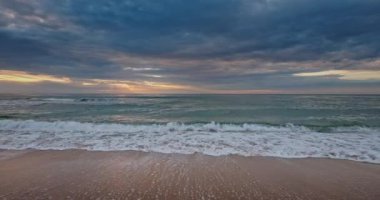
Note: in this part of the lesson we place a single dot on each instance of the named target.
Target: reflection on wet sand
(136, 175)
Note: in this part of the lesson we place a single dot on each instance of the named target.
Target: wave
(39, 101)
(84, 100)
(290, 141)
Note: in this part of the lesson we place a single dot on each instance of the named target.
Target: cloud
(358, 75)
(103, 85)
(274, 30)
(141, 68)
(25, 77)
(221, 44)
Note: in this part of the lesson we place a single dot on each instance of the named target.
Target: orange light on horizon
(118, 86)
(26, 77)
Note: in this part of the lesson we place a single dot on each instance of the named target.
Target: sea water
(291, 126)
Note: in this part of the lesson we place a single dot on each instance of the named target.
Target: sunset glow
(25, 77)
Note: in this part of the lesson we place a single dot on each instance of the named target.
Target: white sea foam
(352, 143)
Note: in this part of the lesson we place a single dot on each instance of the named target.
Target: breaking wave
(289, 141)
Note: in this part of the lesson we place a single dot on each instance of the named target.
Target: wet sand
(74, 174)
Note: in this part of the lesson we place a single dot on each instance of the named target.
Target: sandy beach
(74, 174)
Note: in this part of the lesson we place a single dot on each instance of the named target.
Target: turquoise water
(333, 126)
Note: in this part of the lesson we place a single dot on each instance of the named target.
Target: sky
(197, 46)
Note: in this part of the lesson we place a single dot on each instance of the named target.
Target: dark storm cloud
(275, 30)
(12, 48)
(221, 43)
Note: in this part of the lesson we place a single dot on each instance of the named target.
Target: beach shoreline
(79, 174)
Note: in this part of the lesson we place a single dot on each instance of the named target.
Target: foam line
(352, 143)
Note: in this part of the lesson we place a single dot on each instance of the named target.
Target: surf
(216, 139)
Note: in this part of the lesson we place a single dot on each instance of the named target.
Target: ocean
(290, 126)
